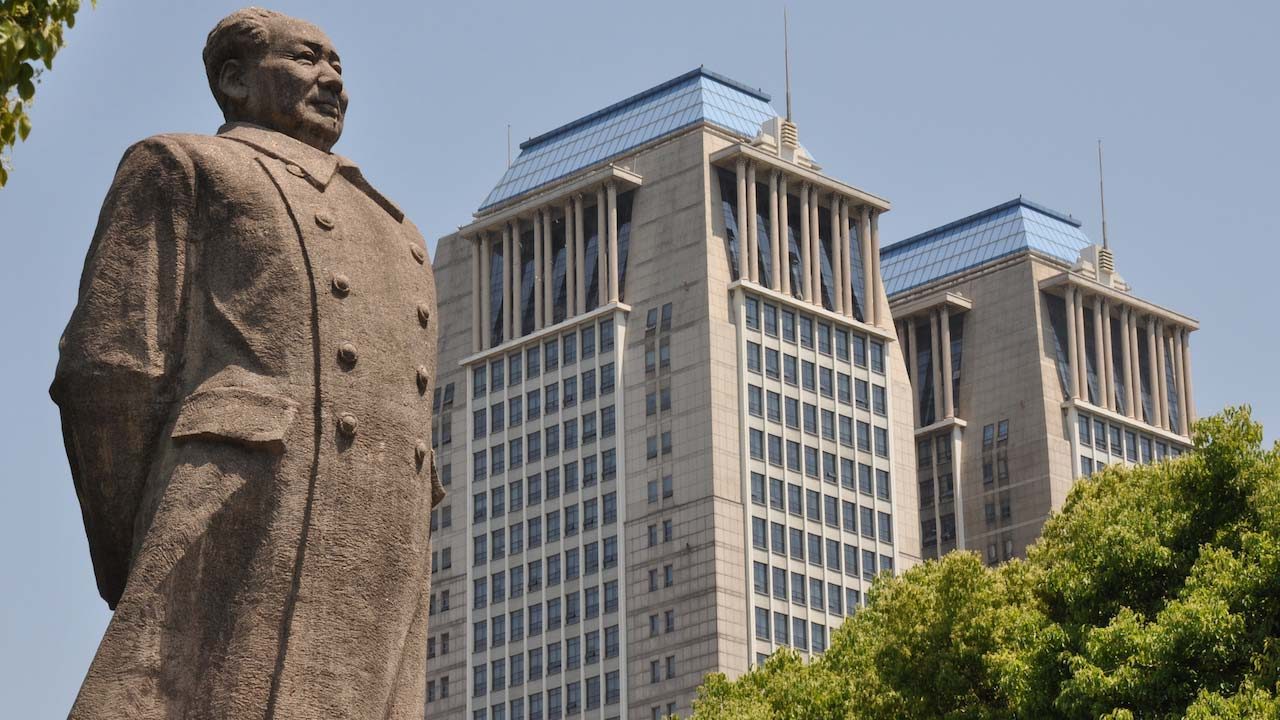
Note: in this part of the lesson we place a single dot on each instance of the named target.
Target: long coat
(245, 387)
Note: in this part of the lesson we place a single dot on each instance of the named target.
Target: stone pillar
(506, 282)
(549, 265)
(868, 277)
(517, 282)
(1186, 373)
(806, 248)
(579, 258)
(602, 280)
(784, 235)
(1073, 371)
(1163, 369)
(815, 239)
(1175, 343)
(1099, 362)
(935, 364)
(775, 240)
(1126, 347)
(837, 260)
(1108, 356)
(538, 277)
(753, 227)
(873, 294)
(614, 288)
(917, 387)
(741, 169)
(477, 247)
(486, 287)
(1082, 363)
(1136, 360)
(948, 407)
(846, 250)
(571, 231)
(1153, 372)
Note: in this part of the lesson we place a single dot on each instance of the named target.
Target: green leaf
(24, 126)
(25, 71)
(26, 89)
(4, 176)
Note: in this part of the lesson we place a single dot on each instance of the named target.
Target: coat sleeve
(114, 382)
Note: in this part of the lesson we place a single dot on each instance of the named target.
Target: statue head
(279, 72)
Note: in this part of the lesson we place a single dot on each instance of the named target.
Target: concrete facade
(657, 584)
(1031, 391)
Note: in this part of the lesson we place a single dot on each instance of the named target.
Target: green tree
(30, 34)
(1154, 593)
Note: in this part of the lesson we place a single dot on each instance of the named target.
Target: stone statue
(245, 387)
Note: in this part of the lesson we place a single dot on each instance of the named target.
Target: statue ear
(232, 82)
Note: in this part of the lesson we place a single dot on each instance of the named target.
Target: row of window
(759, 401)
(838, 513)
(806, 458)
(530, 405)
(550, 355)
(559, 701)
(805, 374)
(1121, 442)
(576, 564)
(592, 511)
(803, 329)
(796, 631)
(548, 443)
(530, 490)
(929, 530)
(778, 537)
(805, 591)
(792, 496)
(489, 633)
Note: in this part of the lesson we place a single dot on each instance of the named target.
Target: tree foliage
(30, 35)
(1154, 593)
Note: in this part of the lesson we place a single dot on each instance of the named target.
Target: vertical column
(775, 243)
(1175, 342)
(806, 249)
(753, 229)
(549, 265)
(1082, 362)
(476, 248)
(486, 287)
(846, 250)
(1136, 360)
(538, 277)
(1163, 370)
(741, 169)
(517, 282)
(506, 282)
(914, 327)
(1186, 373)
(1108, 356)
(936, 364)
(837, 260)
(784, 235)
(579, 263)
(815, 242)
(1073, 369)
(1099, 363)
(868, 277)
(877, 282)
(1153, 372)
(1126, 348)
(948, 406)
(602, 280)
(613, 242)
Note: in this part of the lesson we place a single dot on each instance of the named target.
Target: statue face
(296, 86)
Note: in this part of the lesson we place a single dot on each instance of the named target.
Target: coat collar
(319, 166)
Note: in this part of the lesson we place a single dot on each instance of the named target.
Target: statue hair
(243, 35)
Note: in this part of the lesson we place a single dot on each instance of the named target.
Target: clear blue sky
(944, 108)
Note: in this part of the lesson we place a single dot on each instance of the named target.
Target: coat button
(347, 424)
(295, 170)
(420, 453)
(423, 379)
(347, 353)
(341, 284)
(418, 253)
(324, 220)
(424, 314)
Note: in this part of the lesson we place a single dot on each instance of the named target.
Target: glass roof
(696, 96)
(1005, 229)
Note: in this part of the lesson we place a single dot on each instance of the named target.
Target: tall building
(1033, 364)
(669, 448)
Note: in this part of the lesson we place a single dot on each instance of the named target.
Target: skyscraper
(1033, 364)
(670, 448)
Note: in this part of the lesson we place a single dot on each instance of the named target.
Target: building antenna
(1102, 198)
(786, 58)
(508, 144)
